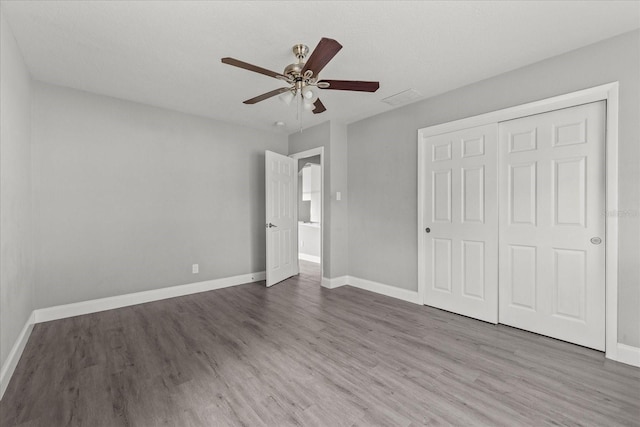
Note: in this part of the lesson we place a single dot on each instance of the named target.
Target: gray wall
(339, 209)
(383, 163)
(16, 264)
(128, 197)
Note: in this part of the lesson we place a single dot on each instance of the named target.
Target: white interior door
(460, 222)
(280, 221)
(552, 224)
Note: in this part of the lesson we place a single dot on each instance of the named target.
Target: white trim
(336, 282)
(422, 266)
(627, 354)
(607, 92)
(598, 93)
(301, 155)
(371, 286)
(384, 289)
(119, 301)
(9, 365)
(310, 258)
(611, 224)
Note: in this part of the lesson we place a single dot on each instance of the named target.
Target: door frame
(607, 92)
(301, 155)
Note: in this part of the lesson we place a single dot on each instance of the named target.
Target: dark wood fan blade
(318, 107)
(254, 68)
(321, 55)
(266, 95)
(350, 85)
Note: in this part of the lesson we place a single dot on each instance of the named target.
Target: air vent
(403, 97)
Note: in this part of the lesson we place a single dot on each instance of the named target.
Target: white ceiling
(168, 53)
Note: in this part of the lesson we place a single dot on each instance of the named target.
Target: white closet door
(460, 265)
(552, 224)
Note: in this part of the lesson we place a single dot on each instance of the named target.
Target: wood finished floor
(298, 354)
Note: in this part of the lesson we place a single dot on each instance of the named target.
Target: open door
(280, 221)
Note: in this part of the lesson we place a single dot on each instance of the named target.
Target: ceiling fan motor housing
(294, 70)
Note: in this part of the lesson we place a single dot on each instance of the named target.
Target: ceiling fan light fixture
(309, 95)
(286, 97)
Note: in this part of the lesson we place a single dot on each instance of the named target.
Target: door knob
(271, 225)
(428, 230)
(596, 240)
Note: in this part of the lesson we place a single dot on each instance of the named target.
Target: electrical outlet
(195, 269)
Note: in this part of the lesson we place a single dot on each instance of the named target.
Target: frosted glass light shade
(309, 95)
(287, 97)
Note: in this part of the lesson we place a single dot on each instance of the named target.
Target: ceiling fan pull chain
(300, 123)
(299, 95)
(299, 108)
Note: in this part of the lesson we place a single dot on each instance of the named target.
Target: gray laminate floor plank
(298, 354)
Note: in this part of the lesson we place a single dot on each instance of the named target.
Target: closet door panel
(460, 247)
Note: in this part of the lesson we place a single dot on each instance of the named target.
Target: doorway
(310, 210)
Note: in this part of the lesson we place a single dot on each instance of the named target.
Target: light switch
(338, 195)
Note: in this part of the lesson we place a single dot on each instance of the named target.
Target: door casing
(607, 92)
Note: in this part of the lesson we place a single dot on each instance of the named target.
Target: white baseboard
(102, 304)
(307, 257)
(336, 282)
(371, 286)
(623, 353)
(9, 365)
(383, 289)
(627, 354)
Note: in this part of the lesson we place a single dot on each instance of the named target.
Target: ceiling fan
(302, 76)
